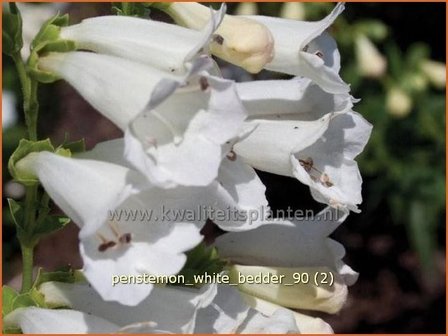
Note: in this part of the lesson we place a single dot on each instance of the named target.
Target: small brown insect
(218, 39)
(320, 54)
(203, 82)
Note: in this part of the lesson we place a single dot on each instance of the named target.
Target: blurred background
(393, 55)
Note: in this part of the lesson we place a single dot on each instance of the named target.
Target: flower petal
(303, 49)
(332, 158)
(179, 142)
(142, 40)
(35, 320)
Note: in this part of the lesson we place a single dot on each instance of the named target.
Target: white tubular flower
(238, 40)
(167, 310)
(305, 49)
(304, 132)
(370, 61)
(176, 138)
(328, 166)
(288, 115)
(435, 72)
(306, 324)
(229, 314)
(293, 11)
(236, 199)
(142, 40)
(180, 139)
(118, 88)
(266, 251)
(125, 229)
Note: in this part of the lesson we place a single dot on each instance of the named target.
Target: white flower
(288, 115)
(181, 141)
(159, 44)
(305, 132)
(238, 40)
(436, 73)
(267, 250)
(246, 8)
(175, 138)
(9, 111)
(118, 88)
(125, 228)
(229, 314)
(305, 49)
(370, 61)
(293, 11)
(236, 199)
(166, 310)
(398, 102)
(328, 166)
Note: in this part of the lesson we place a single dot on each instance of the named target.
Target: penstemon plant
(190, 146)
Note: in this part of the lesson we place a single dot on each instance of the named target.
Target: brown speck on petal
(218, 39)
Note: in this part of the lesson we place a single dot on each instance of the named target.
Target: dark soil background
(394, 294)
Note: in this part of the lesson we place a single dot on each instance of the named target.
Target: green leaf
(26, 147)
(8, 297)
(50, 224)
(12, 41)
(422, 234)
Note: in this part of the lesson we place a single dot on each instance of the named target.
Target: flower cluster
(193, 138)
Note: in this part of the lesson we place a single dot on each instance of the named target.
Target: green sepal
(48, 40)
(8, 297)
(12, 41)
(200, 260)
(77, 146)
(18, 214)
(67, 275)
(26, 147)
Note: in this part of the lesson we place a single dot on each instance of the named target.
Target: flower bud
(246, 8)
(398, 102)
(436, 73)
(293, 11)
(238, 40)
(297, 287)
(370, 61)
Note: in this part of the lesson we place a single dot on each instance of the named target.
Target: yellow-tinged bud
(436, 73)
(398, 102)
(313, 288)
(238, 40)
(293, 11)
(370, 61)
(246, 8)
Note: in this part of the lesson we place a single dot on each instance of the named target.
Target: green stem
(27, 272)
(30, 108)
